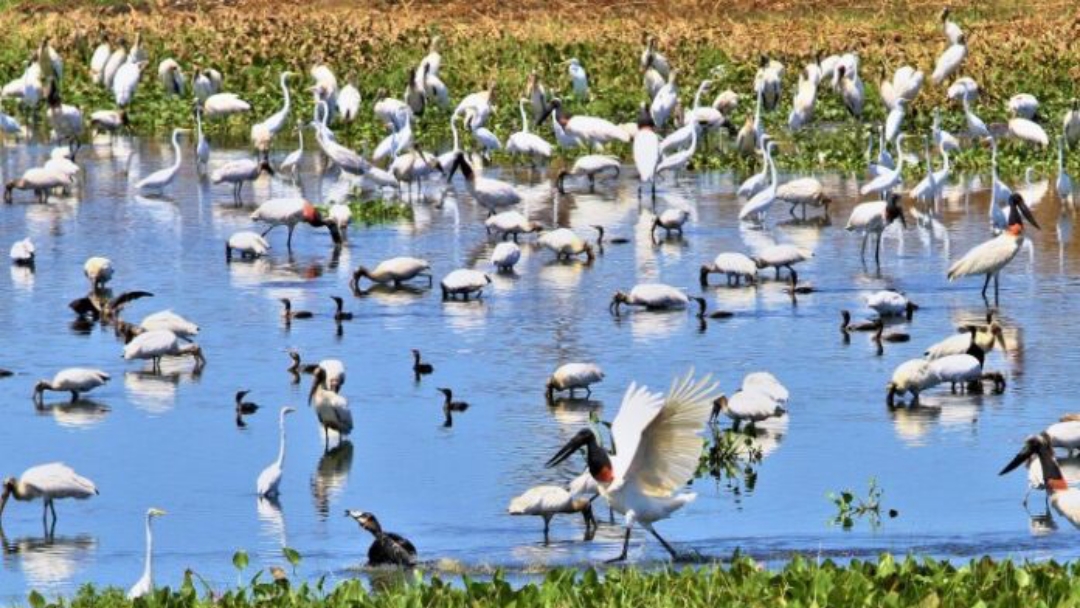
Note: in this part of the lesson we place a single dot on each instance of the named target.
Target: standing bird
(888, 303)
(72, 380)
(951, 29)
(125, 83)
(579, 79)
(549, 501)
(590, 166)
(586, 129)
(145, 585)
(949, 61)
(162, 178)
(659, 445)
(574, 376)
(160, 343)
(289, 212)
(734, 266)
(872, 219)
(646, 150)
(566, 244)
(172, 78)
(388, 548)
(665, 100)
(450, 406)
(248, 244)
(22, 252)
(348, 101)
(99, 272)
(331, 408)
(262, 134)
(671, 220)
(1064, 500)
(491, 194)
(528, 144)
(237, 173)
(1063, 184)
(98, 61)
(48, 482)
(504, 256)
(1071, 124)
(270, 478)
(992, 256)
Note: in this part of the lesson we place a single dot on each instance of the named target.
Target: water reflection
(331, 476)
(49, 563)
(84, 413)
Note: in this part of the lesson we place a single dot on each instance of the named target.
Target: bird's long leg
(985, 285)
(877, 250)
(996, 289)
(862, 250)
(625, 547)
(267, 231)
(52, 509)
(547, 525)
(670, 549)
(288, 243)
(74, 396)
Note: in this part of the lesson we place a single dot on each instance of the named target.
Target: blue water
(170, 441)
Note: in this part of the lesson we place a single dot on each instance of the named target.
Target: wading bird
(992, 256)
(160, 343)
(464, 282)
(450, 406)
(74, 380)
(734, 266)
(270, 479)
(49, 482)
(659, 445)
(574, 376)
(388, 548)
(145, 585)
(163, 178)
(289, 212)
(872, 219)
(1064, 500)
(650, 296)
(331, 408)
(548, 501)
(394, 271)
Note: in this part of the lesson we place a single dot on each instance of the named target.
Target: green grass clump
(377, 211)
(801, 582)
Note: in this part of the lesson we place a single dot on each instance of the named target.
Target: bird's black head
(240, 395)
(555, 105)
(366, 520)
(645, 119)
(1033, 445)
(894, 210)
(1019, 211)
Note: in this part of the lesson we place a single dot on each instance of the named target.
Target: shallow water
(169, 440)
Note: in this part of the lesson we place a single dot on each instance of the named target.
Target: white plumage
(782, 256)
(491, 194)
(98, 271)
(734, 266)
(767, 384)
(117, 59)
(220, 105)
(171, 78)
(579, 80)
(958, 344)
(1028, 130)
(760, 202)
(510, 223)
(72, 380)
(98, 61)
(1024, 105)
(750, 406)
(348, 103)
(505, 256)
(651, 296)
(39, 179)
(263, 133)
(956, 369)
(913, 376)
(248, 244)
(270, 478)
(678, 160)
(949, 62)
(565, 243)
(663, 103)
(145, 584)
(525, 143)
(162, 178)
(888, 303)
(574, 376)
(395, 270)
(592, 165)
(48, 482)
(160, 343)
(547, 502)
(125, 82)
(170, 321)
(464, 282)
(332, 411)
(22, 252)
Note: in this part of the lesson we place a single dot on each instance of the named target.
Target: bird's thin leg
(52, 509)
(862, 250)
(669, 548)
(985, 285)
(288, 243)
(547, 525)
(995, 289)
(625, 547)
(877, 250)
(74, 396)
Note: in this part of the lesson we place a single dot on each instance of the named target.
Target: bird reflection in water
(50, 562)
(331, 476)
(83, 413)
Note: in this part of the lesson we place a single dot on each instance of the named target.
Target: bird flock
(655, 442)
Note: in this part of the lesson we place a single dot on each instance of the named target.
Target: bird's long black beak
(1028, 215)
(1020, 459)
(547, 112)
(575, 444)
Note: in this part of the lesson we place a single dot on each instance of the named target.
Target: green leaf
(36, 600)
(291, 555)
(240, 560)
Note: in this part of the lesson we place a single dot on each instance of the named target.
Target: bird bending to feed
(760, 398)
(650, 296)
(394, 271)
(992, 256)
(1064, 500)
(567, 244)
(590, 165)
(504, 256)
(549, 501)
(888, 303)
(734, 266)
(464, 282)
(671, 220)
(289, 212)
(248, 244)
(388, 548)
(72, 380)
(48, 482)
(420, 368)
(160, 343)
(99, 271)
(782, 256)
(22, 252)
(450, 406)
(574, 376)
(659, 445)
(145, 585)
(270, 478)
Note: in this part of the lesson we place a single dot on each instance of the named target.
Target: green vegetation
(376, 211)
(850, 507)
(730, 457)
(1014, 47)
(801, 582)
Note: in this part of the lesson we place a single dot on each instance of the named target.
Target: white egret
(1063, 184)
(162, 178)
(145, 584)
(949, 61)
(491, 194)
(528, 144)
(262, 134)
(269, 480)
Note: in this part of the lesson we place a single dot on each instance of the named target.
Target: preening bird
(659, 445)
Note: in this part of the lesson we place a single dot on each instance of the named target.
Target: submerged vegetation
(1014, 48)
(801, 582)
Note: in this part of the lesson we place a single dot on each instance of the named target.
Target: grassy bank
(1014, 47)
(885, 582)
